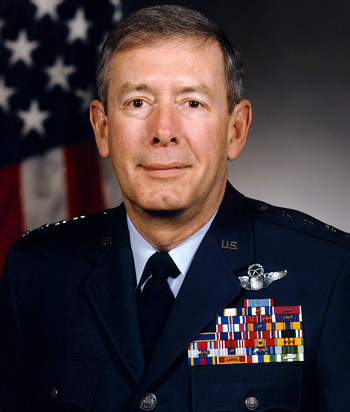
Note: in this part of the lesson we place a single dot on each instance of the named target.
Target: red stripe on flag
(12, 223)
(84, 179)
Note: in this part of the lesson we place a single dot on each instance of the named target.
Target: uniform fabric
(68, 317)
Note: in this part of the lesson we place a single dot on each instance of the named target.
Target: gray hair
(163, 23)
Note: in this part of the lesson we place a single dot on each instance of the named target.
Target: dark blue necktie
(156, 299)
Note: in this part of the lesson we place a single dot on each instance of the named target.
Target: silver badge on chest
(257, 279)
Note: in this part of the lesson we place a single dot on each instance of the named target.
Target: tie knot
(162, 266)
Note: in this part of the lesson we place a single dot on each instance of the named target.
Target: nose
(165, 126)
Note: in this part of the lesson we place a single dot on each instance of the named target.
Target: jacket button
(148, 402)
(53, 393)
(251, 403)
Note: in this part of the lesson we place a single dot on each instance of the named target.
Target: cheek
(209, 143)
(124, 141)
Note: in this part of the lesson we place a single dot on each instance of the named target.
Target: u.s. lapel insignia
(106, 241)
(257, 279)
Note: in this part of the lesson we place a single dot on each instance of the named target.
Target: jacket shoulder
(80, 230)
(296, 220)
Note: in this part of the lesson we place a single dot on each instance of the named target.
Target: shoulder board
(296, 220)
(52, 226)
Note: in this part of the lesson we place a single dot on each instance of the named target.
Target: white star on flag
(46, 7)
(58, 74)
(33, 119)
(5, 94)
(21, 49)
(78, 27)
(117, 16)
(86, 96)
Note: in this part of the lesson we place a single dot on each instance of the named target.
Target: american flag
(49, 167)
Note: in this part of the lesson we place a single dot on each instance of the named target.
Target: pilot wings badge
(257, 279)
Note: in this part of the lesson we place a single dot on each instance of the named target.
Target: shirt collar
(182, 254)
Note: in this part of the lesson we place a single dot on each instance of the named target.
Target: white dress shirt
(182, 254)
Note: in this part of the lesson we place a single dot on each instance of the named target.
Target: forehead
(170, 58)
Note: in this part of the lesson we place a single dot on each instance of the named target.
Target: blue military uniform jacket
(69, 331)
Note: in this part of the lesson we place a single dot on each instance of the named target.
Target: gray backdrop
(296, 55)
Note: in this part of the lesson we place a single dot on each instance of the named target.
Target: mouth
(165, 169)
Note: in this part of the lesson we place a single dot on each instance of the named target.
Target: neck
(166, 229)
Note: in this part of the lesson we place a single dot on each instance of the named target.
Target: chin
(164, 205)
(163, 198)
(163, 202)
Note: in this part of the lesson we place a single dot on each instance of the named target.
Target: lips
(165, 166)
(165, 169)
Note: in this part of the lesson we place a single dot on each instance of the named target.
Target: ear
(99, 123)
(238, 128)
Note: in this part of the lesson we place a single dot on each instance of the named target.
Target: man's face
(168, 131)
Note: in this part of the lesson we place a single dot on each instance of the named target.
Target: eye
(193, 104)
(139, 107)
(137, 103)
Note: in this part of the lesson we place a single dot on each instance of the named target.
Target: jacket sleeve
(15, 392)
(333, 359)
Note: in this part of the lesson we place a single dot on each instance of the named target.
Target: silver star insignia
(257, 279)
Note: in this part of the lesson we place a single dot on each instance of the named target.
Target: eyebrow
(200, 88)
(130, 87)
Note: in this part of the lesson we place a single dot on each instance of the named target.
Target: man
(89, 320)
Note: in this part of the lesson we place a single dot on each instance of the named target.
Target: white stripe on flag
(112, 192)
(43, 186)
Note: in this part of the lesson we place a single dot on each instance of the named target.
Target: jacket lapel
(111, 290)
(210, 284)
